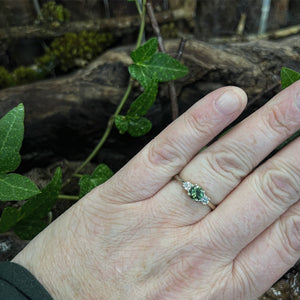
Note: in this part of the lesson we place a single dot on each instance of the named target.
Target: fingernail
(227, 103)
(298, 101)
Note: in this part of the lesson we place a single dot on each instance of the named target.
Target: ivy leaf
(121, 123)
(41, 204)
(11, 137)
(165, 67)
(29, 229)
(288, 77)
(144, 52)
(16, 187)
(139, 73)
(142, 104)
(10, 216)
(99, 176)
(138, 126)
(29, 220)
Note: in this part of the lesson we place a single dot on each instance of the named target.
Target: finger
(273, 253)
(221, 167)
(170, 151)
(258, 201)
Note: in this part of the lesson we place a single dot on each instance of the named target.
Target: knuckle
(289, 234)
(278, 186)
(230, 163)
(197, 126)
(163, 154)
(278, 121)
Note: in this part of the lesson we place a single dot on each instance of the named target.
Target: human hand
(140, 236)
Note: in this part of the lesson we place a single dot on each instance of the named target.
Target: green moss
(76, 50)
(65, 53)
(6, 79)
(53, 15)
(169, 30)
(47, 62)
(24, 75)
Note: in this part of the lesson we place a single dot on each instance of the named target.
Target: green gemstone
(196, 192)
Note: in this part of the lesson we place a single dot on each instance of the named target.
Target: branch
(272, 35)
(116, 25)
(172, 90)
(181, 48)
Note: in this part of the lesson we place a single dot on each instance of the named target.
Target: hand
(140, 236)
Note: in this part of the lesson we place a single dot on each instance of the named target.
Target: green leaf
(41, 204)
(142, 104)
(27, 230)
(99, 176)
(139, 126)
(139, 73)
(165, 67)
(29, 219)
(11, 137)
(121, 123)
(16, 187)
(10, 216)
(288, 77)
(144, 52)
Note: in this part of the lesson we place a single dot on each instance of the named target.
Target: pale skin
(140, 236)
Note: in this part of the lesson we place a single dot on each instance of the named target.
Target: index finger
(175, 146)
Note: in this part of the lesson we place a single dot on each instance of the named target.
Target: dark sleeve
(17, 283)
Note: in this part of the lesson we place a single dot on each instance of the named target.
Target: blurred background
(202, 19)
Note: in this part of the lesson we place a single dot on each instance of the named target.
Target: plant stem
(111, 120)
(138, 7)
(77, 175)
(108, 129)
(142, 25)
(68, 197)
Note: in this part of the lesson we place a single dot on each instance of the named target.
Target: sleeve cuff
(18, 283)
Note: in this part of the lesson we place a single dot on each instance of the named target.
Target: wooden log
(65, 116)
(117, 25)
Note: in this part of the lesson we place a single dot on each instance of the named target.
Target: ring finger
(222, 166)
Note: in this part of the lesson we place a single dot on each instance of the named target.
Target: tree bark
(118, 25)
(65, 116)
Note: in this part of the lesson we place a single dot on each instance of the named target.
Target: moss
(53, 15)
(6, 79)
(76, 50)
(67, 52)
(46, 63)
(24, 75)
(169, 30)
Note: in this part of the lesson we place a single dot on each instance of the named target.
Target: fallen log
(65, 116)
(119, 25)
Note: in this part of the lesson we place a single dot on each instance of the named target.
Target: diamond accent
(187, 185)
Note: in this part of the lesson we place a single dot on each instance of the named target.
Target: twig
(161, 47)
(272, 35)
(106, 7)
(37, 8)
(180, 48)
(241, 26)
(155, 27)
